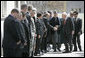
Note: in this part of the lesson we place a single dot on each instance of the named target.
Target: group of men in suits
(70, 30)
(27, 35)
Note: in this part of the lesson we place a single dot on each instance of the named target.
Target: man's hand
(25, 43)
(79, 33)
(38, 36)
(18, 42)
(72, 32)
(55, 28)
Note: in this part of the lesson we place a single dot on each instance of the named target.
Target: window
(3, 8)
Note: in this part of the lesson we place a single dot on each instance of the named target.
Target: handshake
(55, 28)
(19, 42)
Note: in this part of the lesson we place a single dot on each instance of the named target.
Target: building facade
(60, 6)
(75, 5)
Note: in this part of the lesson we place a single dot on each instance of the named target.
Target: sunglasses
(75, 14)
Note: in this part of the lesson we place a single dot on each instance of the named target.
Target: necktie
(64, 21)
(75, 19)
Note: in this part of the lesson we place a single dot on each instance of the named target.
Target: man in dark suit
(29, 10)
(54, 22)
(67, 30)
(47, 37)
(14, 40)
(77, 32)
(25, 23)
(44, 35)
(40, 29)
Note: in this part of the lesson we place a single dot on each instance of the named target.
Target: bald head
(64, 15)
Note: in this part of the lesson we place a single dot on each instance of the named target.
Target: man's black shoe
(70, 51)
(35, 54)
(66, 52)
(45, 51)
(54, 51)
(74, 50)
(59, 50)
(80, 50)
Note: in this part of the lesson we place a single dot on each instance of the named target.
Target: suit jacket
(26, 29)
(48, 26)
(47, 23)
(41, 28)
(58, 31)
(78, 25)
(54, 21)
(66, 29)
(68, 26)
(12, 32)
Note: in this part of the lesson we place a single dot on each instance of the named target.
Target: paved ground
(60, 54)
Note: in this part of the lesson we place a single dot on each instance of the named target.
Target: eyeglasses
(74, 14)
